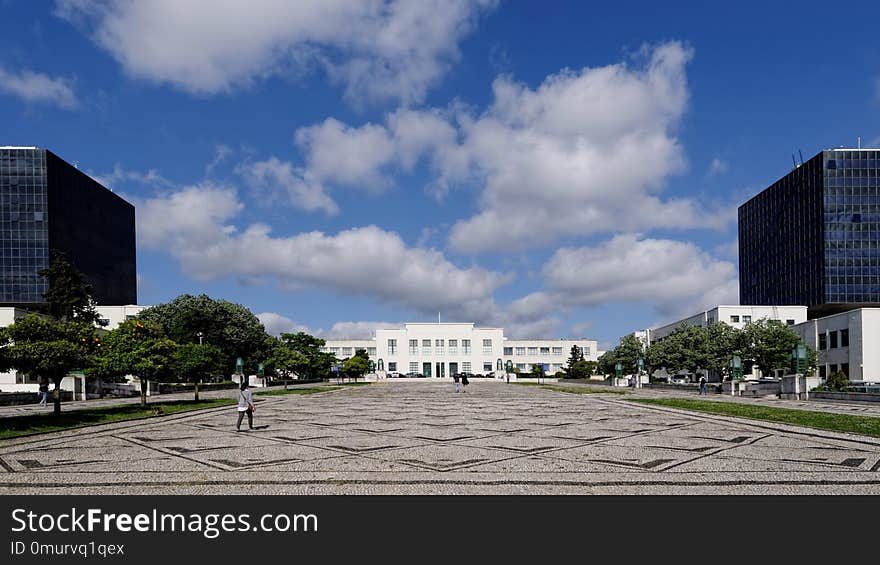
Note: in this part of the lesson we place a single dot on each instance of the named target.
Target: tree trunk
(143, 391)
(197, 391)
(56, 400)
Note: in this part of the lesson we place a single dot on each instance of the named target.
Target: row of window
(734, 319)
(825, 370)
(439, 346)
(541, 351)
(833, 339)
(349, 351)
(465, 367)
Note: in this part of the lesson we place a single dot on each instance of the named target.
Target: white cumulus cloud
(672, 277)
(586, 151)
(37, 87)
(377, 49)
(273, 177)
(276, 324)
(195, 225)
(629, 268)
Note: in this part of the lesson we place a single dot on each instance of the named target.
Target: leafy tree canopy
(356, 366)
(44, 348)
(69, 295)
(135, 348)
(194, 363)
(230, 327)
(319, 363)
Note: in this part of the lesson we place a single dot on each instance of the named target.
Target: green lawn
(304, 390)
(575, 389)
(40, 423)
(864, 425)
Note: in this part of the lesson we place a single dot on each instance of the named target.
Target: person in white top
(245, 405)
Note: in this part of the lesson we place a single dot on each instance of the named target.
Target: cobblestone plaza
(421, 438)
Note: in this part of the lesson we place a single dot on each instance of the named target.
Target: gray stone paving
(421, 438)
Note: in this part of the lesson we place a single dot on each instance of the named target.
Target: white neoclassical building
(443, 349)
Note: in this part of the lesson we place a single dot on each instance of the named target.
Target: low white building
(443, 349)
(109, 318)
(846, 342)
(735, 316)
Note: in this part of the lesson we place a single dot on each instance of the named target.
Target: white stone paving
(422, 438)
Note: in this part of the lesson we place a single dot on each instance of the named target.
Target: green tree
(575, 355)
(657, 356)
(836, 382)
(607, 361)
(627, 353)
(69, 295)
(230, 327)
(577, 367)
(43, 348)
(687, 349)
(135, 348)
(319, 363)
(537, 371)
(724, 342)
(357, 365)
(194, 363)
(286, 361)
(768, 344)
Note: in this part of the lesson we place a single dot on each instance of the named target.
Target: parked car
(414, 375)
(679, 379)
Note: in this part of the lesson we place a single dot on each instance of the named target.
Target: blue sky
(556, 168)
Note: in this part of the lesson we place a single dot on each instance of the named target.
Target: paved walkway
(26, 409)
(835, 406)
(421, 438)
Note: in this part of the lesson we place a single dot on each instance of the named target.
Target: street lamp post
(200, 335)
(639, 364)
(736, 372)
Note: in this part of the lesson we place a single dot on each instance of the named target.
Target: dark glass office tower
(812, 237)
(47, 204)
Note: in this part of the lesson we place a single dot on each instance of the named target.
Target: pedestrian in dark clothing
(464, 382)
(44, 391)
(703, 385)
(245, 405)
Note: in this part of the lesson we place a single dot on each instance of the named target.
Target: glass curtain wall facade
(24, 231)
(812, 237)
(852, 226)
(47, 204)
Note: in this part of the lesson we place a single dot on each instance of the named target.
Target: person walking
(44, 391)
(464, 382)
(455, 381)
(703, 385)
(245, 405)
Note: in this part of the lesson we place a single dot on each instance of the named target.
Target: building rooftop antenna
(859, 138)
(802, 156)
(793, 162)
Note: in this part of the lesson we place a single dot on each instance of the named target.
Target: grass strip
(574, 389)
(304, 390)
(17, 426)
(848, 423)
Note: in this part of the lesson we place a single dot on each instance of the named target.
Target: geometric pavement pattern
(422, 438)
